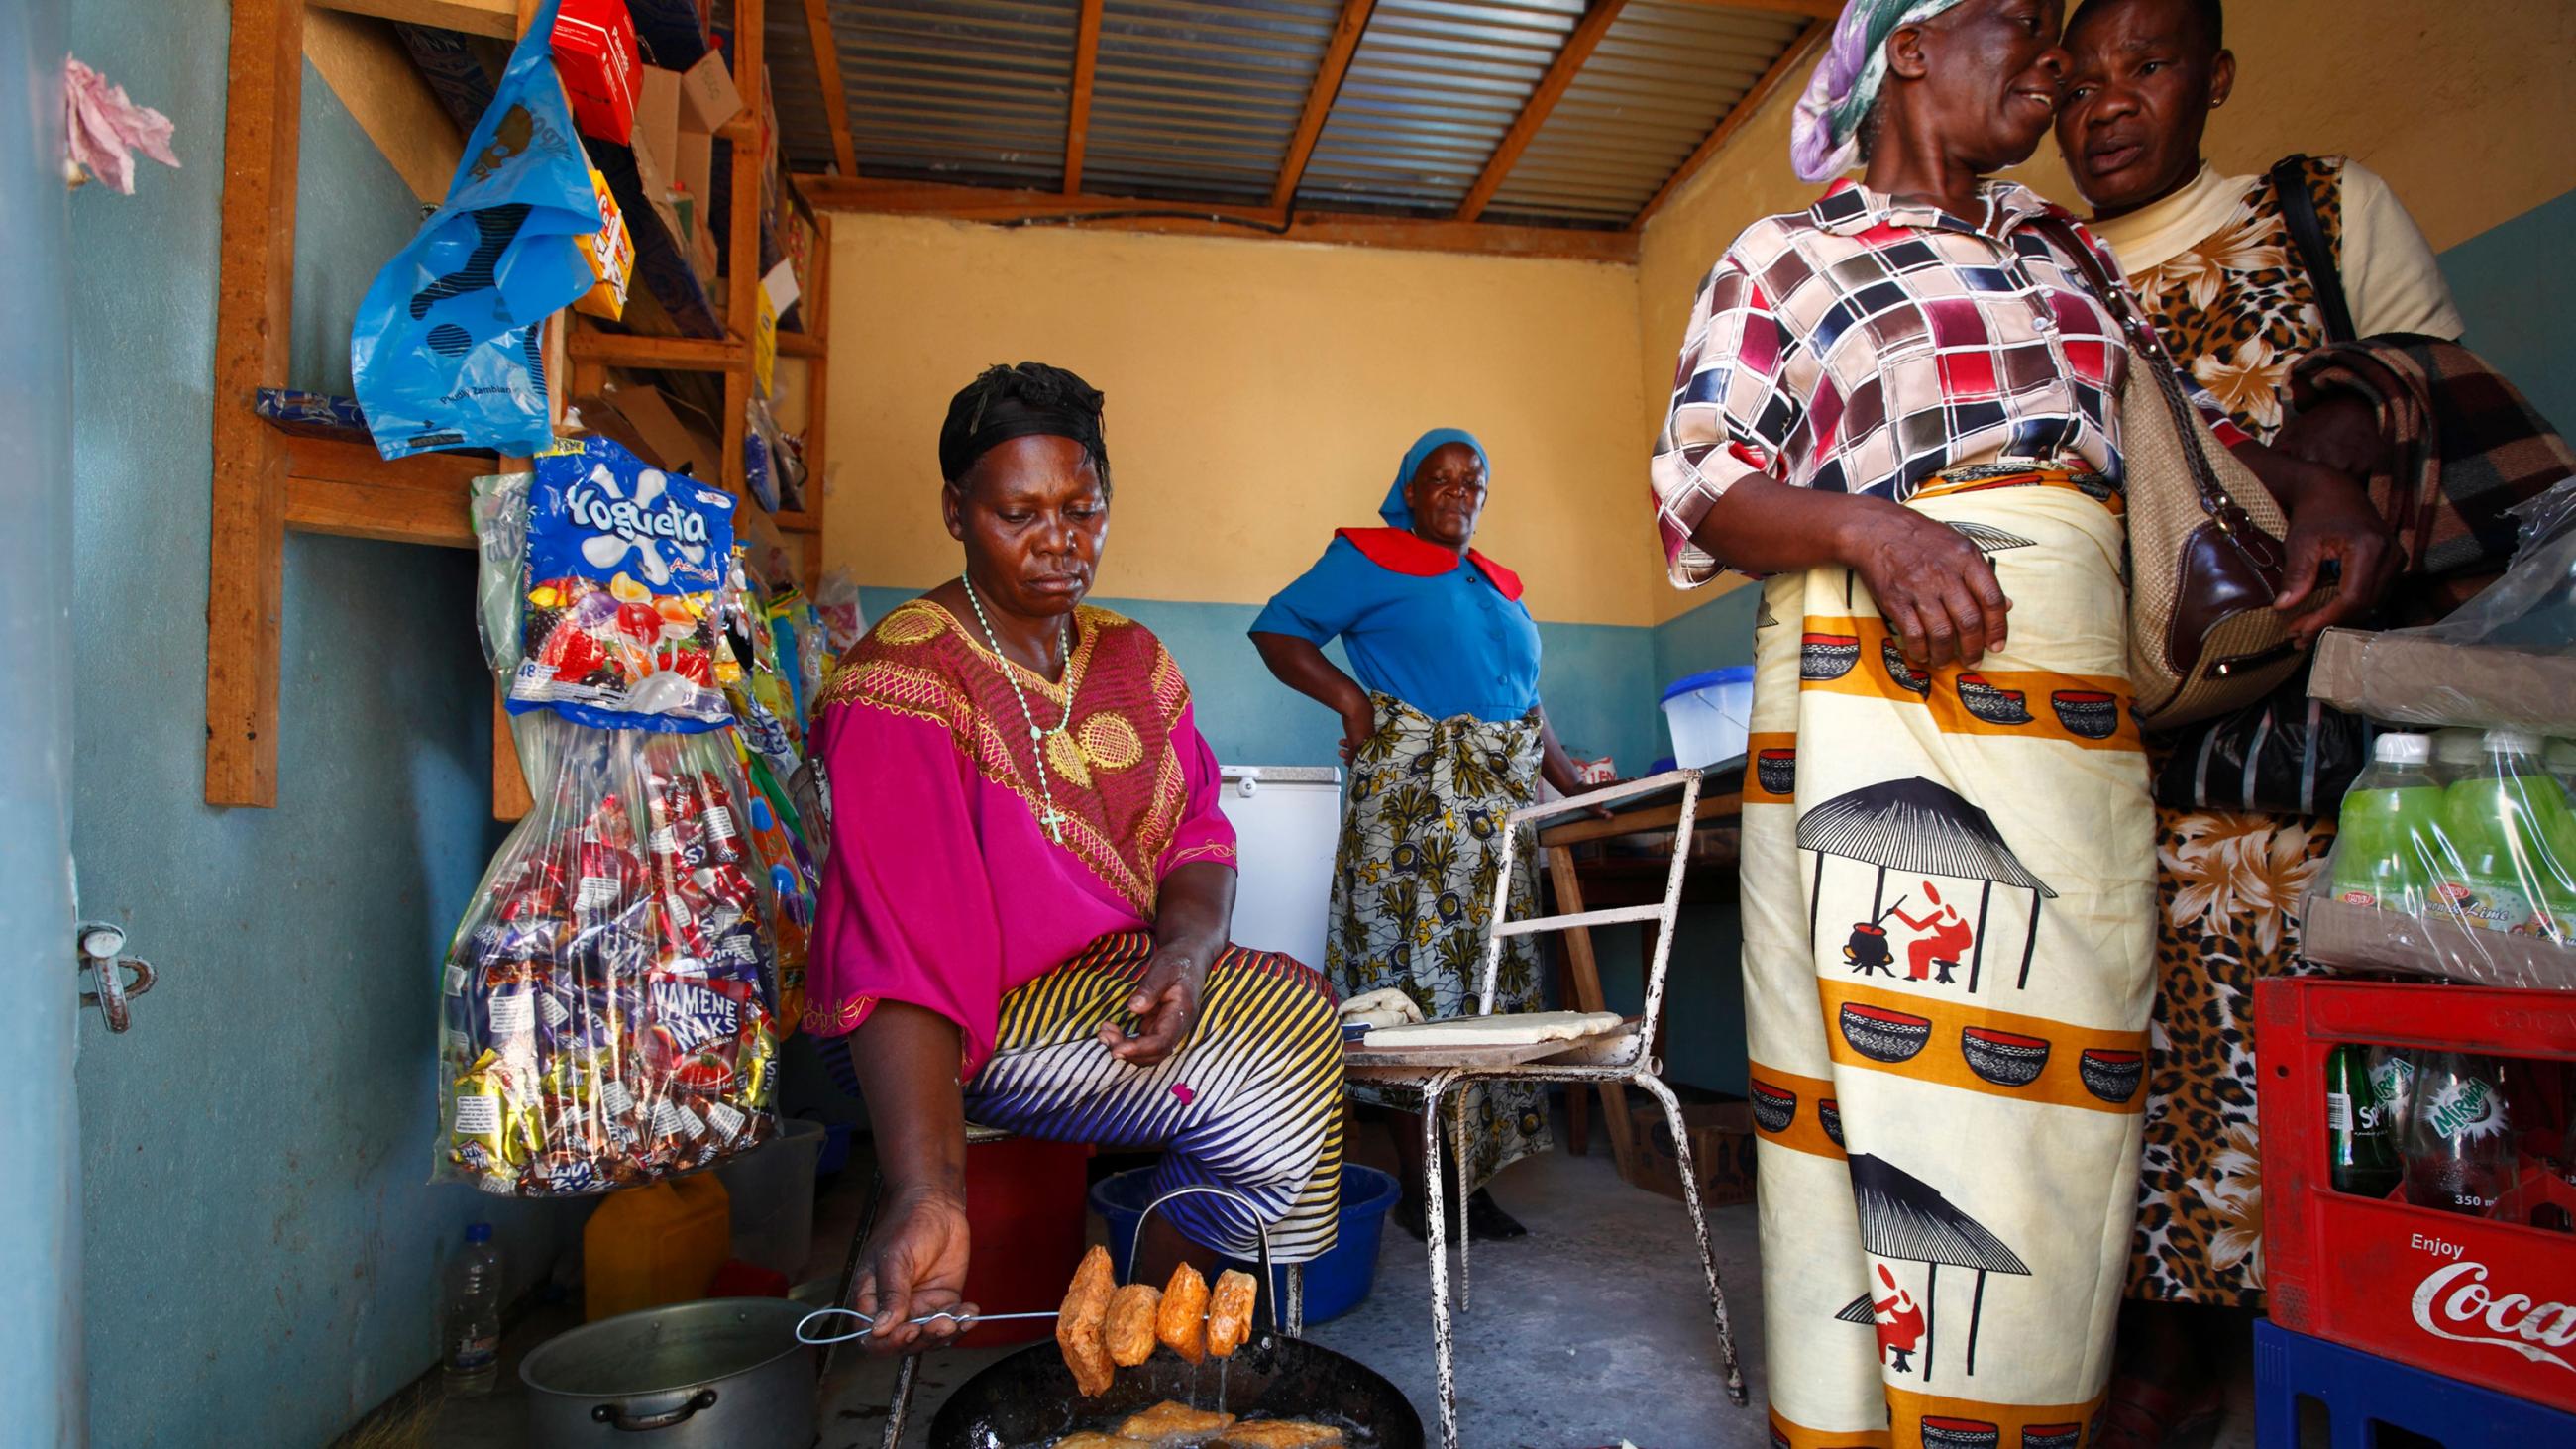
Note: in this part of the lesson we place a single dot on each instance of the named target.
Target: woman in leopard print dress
(2212, 257)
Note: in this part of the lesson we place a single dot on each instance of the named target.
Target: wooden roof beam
(1578, 48)
(827, 70)
(1800, 53)
(1319, 99)
(1184, 218)
(1077, 118)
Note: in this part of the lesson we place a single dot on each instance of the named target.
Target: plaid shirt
(1862, 346)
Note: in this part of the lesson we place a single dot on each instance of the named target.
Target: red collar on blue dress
(1404, 552)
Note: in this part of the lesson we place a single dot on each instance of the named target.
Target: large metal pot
(726, 1373)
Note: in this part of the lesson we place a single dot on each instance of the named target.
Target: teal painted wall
(261, 1246)
(2518, 295)
(1597, 680)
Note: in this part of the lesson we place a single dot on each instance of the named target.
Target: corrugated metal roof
(1661, 80)
(1431, 91)
(1199, 99)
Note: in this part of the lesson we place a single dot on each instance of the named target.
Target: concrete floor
(1592, 1330)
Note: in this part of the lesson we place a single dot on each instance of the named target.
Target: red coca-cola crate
(2488, 1301)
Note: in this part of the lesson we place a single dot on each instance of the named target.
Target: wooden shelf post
(254, 316)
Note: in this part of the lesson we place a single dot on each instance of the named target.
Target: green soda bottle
(2512, 858)
(2361, 1141)
(2384, 845)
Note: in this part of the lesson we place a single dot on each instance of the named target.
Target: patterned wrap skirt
(1413, 893)
(1948, 886)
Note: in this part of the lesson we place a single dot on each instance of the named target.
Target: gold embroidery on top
(1109, 741)
(1064, 756)
(917, 622)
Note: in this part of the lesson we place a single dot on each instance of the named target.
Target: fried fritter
(1280, 1434)
(1230, 1312)
(1129, 1329)
(1181, 1323)
(1173, 1424)
(1078, 1323)
(1089, 1440)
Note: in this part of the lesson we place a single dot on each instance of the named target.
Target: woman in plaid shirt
(1899, 409)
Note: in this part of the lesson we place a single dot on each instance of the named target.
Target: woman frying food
(1024, 918)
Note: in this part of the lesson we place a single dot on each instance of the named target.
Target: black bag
(2289, 754)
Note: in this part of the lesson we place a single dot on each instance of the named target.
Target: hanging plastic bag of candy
(610, 1001)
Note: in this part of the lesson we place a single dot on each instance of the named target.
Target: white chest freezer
(1287, 819)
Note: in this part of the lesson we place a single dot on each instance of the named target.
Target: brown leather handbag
(2205, 552)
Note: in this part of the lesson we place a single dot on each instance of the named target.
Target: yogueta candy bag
(621, 573)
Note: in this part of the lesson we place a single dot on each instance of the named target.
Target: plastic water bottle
(2510, 827)
(2392, 816)
(472, 1343)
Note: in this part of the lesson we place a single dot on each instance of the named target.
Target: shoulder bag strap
(2147, 350)
(2308, 234)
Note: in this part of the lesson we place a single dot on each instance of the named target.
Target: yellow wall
(1260, 394)
(2463, 108)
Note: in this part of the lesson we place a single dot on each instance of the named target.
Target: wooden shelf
(268, 482)
(677, 354)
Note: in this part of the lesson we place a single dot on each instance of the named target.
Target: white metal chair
(1624, 1056)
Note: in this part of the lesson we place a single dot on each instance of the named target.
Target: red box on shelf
(594, 45)
(2489, 1301)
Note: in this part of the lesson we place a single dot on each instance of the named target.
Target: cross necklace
(1053, 819)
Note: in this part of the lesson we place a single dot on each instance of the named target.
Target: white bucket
(1710, 716)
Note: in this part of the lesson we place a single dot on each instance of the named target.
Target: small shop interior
(1284, 238)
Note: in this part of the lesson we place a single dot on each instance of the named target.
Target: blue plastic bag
(619, 625)
(447, 350)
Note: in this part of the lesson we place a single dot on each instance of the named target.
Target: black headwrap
(1028, 400)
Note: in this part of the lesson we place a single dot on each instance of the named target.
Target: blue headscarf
(1394, 510)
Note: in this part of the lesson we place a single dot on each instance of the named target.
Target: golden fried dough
(1078, 1323)
(1170, 1423)
(1280, 1434)
(1088, 1440)
(1181, 1323)
(1129, 1329)
(1230, 1312)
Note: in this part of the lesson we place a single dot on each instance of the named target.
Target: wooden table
(1627, 880)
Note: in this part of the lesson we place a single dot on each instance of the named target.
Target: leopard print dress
(2237, 310)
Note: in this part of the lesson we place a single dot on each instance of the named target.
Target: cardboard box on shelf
(611, 254)
(657, 113)
(707, 93)
(2405, 677)
(1721, 1142)
(594, 48)
(693, 164)
(656, 420)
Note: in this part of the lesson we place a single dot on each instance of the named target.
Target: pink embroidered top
(944, 889)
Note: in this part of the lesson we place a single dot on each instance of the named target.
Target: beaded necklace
(1053, 819)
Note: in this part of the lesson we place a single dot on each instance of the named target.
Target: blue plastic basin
(1336, 1283)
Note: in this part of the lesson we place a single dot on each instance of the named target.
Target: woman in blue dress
(1445, 737)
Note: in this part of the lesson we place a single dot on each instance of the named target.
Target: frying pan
(1030, 1397)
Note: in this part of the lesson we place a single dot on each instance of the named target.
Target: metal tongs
(965, 1321)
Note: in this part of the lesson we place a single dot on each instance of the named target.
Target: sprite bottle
(2361, 1140)
(2392, 816)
